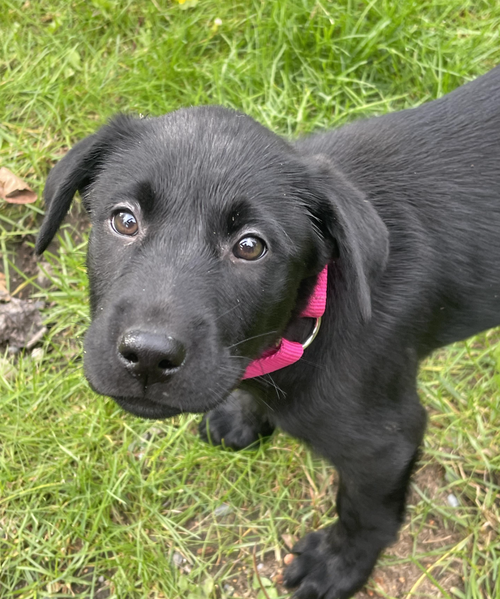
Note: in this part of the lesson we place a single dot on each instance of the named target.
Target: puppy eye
(249, 248)
(124, 223)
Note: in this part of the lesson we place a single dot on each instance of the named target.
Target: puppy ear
(355, 235)
(75, 172)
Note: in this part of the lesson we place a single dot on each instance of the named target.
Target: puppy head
(208, 232)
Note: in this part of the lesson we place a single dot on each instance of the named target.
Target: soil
(397, 575)
(20, 251)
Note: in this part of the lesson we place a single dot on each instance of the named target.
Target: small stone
(37, 354)
(452, 500)
(223, 510)
(178, 559)
(228, 589)
(45, 271)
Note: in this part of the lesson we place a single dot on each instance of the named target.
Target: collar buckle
(289, 352)
(313, 334)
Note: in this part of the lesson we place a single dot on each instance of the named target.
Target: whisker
(250, 338)
(277, 389)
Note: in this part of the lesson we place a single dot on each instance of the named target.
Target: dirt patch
(26, 271)
(20, 253)
(398, 575)
(414, 577)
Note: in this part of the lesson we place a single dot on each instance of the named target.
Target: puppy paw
(320, 571)
(237, 423)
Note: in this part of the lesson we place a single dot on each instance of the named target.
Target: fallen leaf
(21, 323)
(13, 189)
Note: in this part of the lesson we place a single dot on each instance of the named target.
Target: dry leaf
(13, 189)
(21, 323)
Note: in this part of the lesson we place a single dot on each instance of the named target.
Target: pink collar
(289, 352)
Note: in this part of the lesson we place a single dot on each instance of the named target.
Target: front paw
(237, 423)
(323, 568)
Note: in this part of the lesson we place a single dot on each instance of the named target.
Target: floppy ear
(351, 228)
(75, 172)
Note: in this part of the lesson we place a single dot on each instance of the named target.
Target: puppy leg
(238, 422)
(335, 562)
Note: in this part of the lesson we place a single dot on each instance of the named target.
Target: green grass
(94, 502)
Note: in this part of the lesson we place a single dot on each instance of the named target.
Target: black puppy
(208, 235)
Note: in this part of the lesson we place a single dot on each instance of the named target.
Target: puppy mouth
(145, 408)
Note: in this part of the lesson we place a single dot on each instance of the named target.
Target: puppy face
(199, 245)
(208, 232)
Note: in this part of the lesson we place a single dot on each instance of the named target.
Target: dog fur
(405, 210)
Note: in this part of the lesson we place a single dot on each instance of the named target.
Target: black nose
(151, 357)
